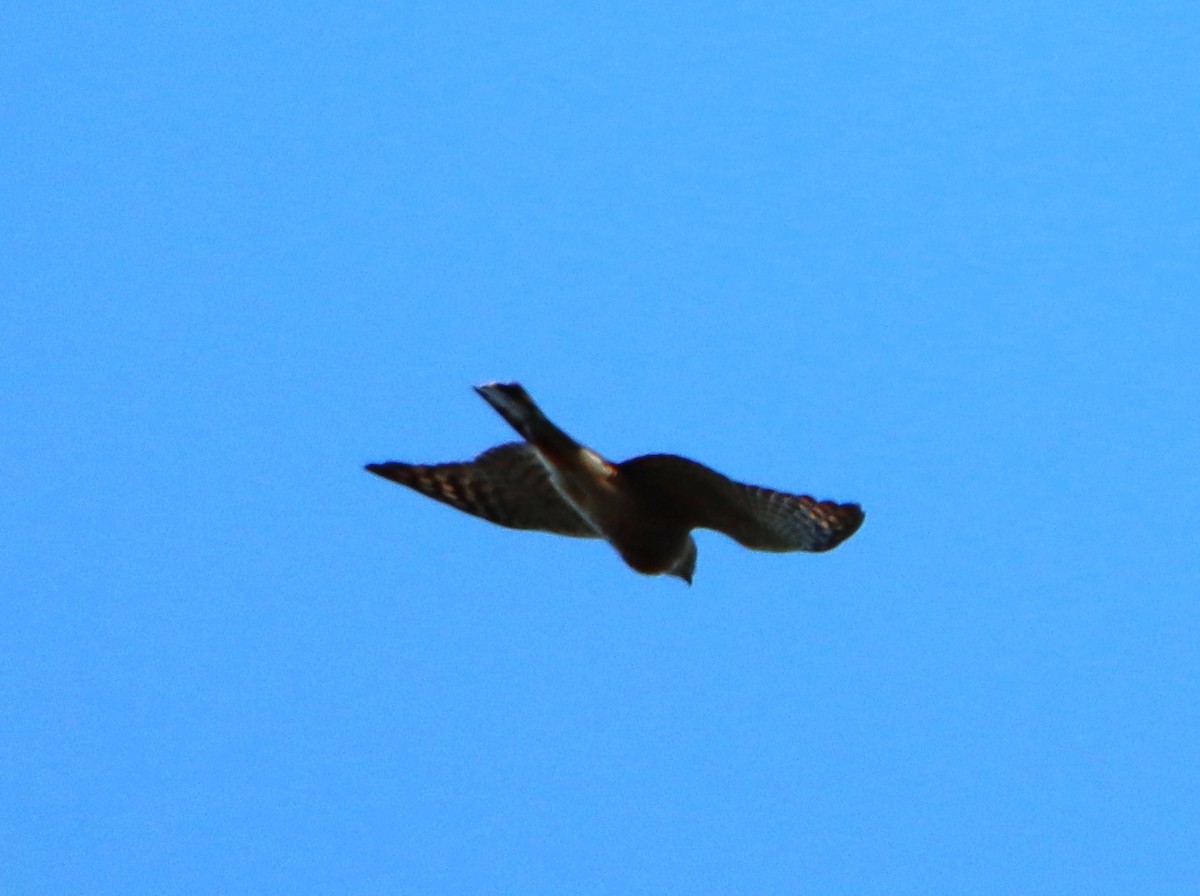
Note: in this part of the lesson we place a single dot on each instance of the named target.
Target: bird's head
(685, 566)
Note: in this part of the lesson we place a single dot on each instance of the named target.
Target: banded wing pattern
(757, 517)
(507, 485)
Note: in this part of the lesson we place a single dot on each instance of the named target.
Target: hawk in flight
(645, 507)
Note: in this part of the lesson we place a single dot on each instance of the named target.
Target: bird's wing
(507, 485)
(759, 518)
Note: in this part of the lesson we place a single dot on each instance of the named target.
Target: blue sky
(938, 258)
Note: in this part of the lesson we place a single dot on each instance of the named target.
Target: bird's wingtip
(851, 520)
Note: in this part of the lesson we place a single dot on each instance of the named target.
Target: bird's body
(646, 507)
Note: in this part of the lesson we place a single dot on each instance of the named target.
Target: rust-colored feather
(757, 517)
(507, 485)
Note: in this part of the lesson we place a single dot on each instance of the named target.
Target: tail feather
(512, 402)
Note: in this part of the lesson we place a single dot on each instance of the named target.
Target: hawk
(645, 507)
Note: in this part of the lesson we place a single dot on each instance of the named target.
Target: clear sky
(942, 259)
